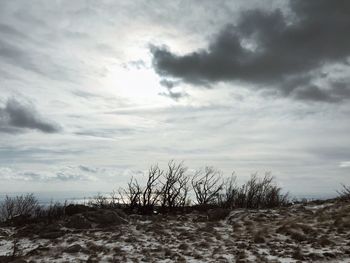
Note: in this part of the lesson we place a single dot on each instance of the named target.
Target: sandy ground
(300, 233)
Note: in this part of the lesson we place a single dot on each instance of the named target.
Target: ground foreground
(314, 232)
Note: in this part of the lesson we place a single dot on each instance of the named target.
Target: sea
(47, 198)
(80, 197)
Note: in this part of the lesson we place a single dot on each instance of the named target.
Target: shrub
(19, 209)
(207, 185)
(23, 205)
(52, 212)
(175, 188)
(344, 193)
(99, 201)
(131, 197)
(256, 193)
(167, 189)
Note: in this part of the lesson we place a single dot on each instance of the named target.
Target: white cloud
(79, 65)
(344, 164)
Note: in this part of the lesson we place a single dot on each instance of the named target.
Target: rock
(74, 249)
(73, 209)
(78, 222)
(105, 217)
(217, 214)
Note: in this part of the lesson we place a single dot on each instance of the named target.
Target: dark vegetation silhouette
(207, 185)
(344, 193)
(26, 208)
(168, 190)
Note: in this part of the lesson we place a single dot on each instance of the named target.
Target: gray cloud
(80, 60)
(170, 85)
(18, 57)
(15, 116)
(271, 50)
(9, 31)
(61, 174)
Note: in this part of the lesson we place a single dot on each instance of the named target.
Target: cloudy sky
(93, 92)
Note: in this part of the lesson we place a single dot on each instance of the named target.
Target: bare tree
(132, 195)
(207, 185)
(150, 192)
(228, 198)
(175, 187)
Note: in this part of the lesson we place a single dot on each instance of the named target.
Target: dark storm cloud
(14, 117)
(271, 50)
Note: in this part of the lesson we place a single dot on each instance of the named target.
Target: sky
(94, 92)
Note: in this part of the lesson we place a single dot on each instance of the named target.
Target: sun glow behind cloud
(88, 67)
(139, 85)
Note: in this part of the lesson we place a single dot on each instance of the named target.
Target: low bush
(23, 205)
(24, 208)
(344, 193)
(254, 194)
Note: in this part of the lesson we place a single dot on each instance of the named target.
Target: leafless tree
(132, 195)
(228, 197)
(175, 187)
(207, 185)
(150, 192)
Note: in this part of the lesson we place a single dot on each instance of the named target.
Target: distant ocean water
(45, 198)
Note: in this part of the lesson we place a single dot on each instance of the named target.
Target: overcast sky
(93, 92)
